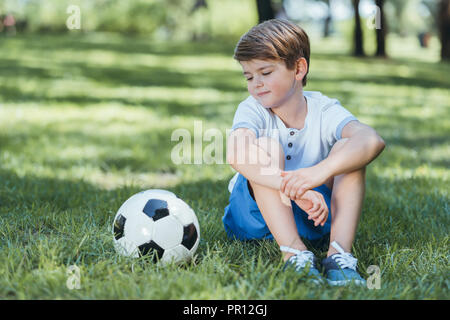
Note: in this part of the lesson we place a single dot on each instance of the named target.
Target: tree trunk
(327, 27)
(199, 35)
(381, 32)
(265, 10)
(328, 21)
(358, 35)
(444, 28)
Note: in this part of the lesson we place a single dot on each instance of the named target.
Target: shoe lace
(344, 259)
(300, 258)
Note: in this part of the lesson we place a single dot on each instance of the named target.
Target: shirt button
(288, 157)
(292, 133)
(290, 144)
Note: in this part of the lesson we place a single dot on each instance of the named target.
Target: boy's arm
(252, 161)
(362, 147)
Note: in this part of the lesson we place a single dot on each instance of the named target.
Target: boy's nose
(259, 83)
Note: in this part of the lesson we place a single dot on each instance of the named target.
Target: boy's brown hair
(274, 39)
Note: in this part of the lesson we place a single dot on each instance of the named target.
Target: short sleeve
(334, 119)
(248, 116)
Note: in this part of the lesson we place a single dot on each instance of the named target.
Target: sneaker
(304, 263)
(340, 268)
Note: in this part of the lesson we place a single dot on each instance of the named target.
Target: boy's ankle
(331, 252)
(287, 255)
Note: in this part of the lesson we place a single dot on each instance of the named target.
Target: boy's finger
(324, 217)
(285, 200)
(318, 216)
(316, 223)
(284, 182)
(301, 191)
(293, 192)
(323, 202)
(314, 209)
(315, 215)
(285, 175)
(282, 186)
(288, 186)
(311, 216)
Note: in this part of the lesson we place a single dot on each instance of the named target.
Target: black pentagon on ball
(156, 209)
(189, 236)
(119, 225)
(149, 248)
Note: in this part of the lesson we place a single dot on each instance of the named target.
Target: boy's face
(270, 82)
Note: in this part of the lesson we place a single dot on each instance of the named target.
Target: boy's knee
(336, 147)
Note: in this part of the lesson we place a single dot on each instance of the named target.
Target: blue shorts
(243, 220)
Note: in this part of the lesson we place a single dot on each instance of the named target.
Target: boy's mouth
(263, 93)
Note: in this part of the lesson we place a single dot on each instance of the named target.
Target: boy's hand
(315, 206)
(285, 200)
(296, 183)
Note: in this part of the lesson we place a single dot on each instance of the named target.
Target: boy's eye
(264, 74)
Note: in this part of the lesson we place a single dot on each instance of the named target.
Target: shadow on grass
(157, 76)
(115, 76)
(28, 192)
(420, 74)
(112, 152)
(125, 44)
(389, 80)
(13, 68)
(213, 111)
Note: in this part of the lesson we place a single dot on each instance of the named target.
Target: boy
(300, 157)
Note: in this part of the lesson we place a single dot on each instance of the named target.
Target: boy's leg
(347, 198)
(278, 216)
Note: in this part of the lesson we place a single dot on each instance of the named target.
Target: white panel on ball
(168, 232)
(176, 254)
(182, 211)
(139, 229)
(157, 192)
(134, 204)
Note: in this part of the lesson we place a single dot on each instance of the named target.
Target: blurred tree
(432, 6)
(381, 31)
(199, 4)
(197, 35)
(358, 34)
(328, 20)
(399, 7)
(265, 10)
(440, 11)
(444, 28)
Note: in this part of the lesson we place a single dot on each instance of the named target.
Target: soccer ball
(156, 223)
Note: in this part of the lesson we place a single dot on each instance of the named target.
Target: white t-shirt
(303, 148)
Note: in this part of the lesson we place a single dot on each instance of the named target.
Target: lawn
(86, 122)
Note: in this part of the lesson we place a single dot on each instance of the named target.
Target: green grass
(86, 121)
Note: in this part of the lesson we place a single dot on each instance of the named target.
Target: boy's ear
(301, 68)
